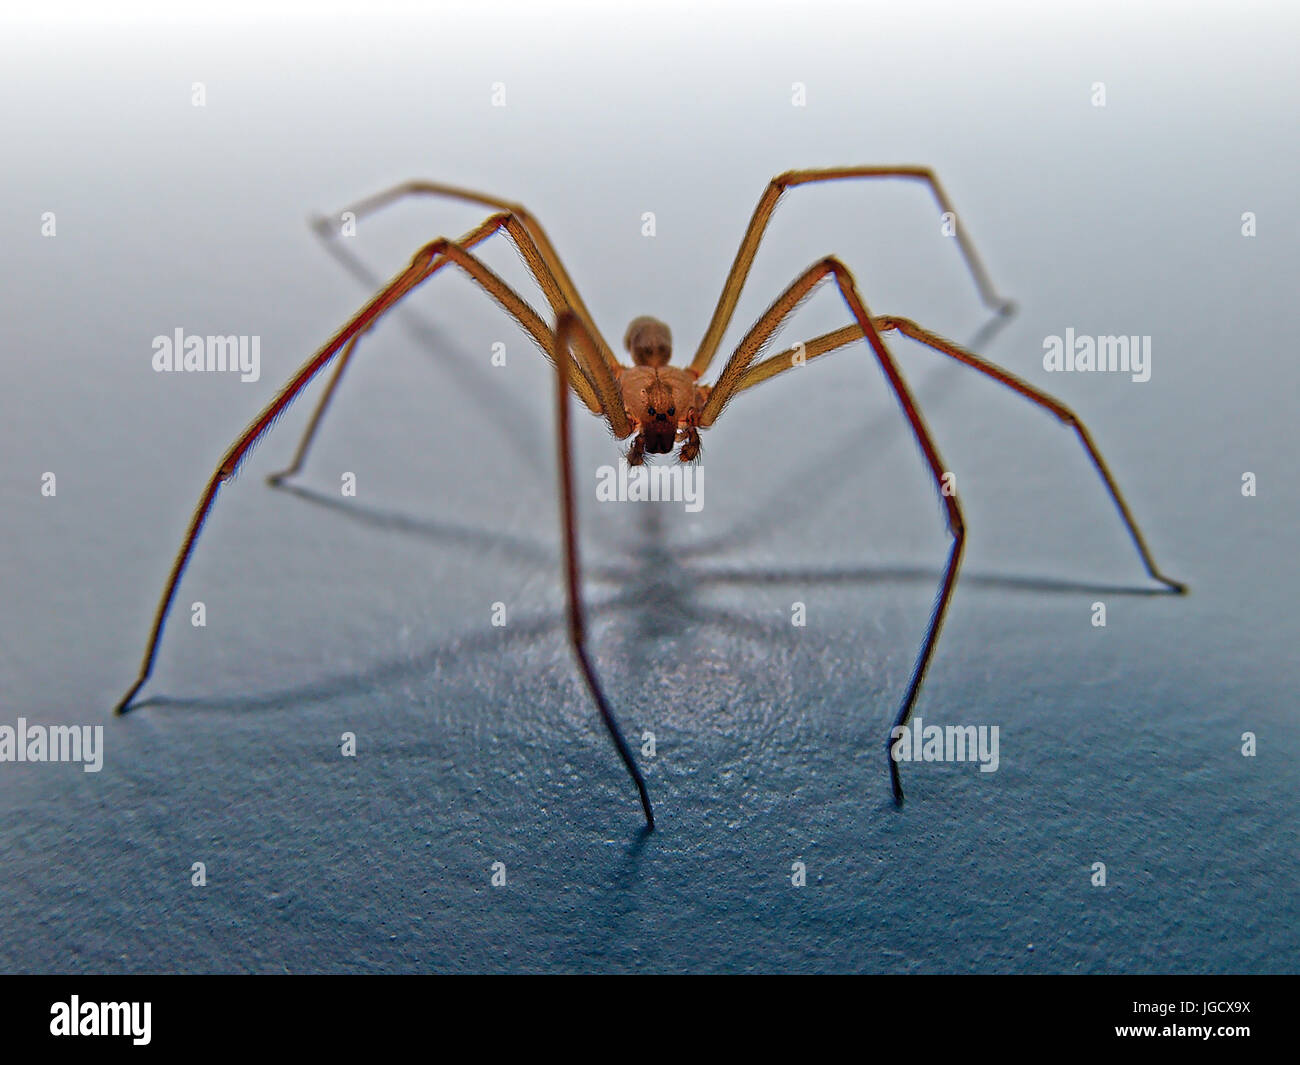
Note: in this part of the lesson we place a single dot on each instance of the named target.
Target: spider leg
(887, 323)
(567, 324)
(525, 231)
(509, 222)
(763, 215)
(776, 364)
(304, 444)
(733, 373)
(833, 341)
(426, 262)
(785, 360)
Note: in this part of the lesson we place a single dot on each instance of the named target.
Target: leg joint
(431, 250)
(835, 265)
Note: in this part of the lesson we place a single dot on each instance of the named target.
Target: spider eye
(650, 411)
(672, 412)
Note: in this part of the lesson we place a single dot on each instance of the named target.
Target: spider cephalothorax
(663, 402)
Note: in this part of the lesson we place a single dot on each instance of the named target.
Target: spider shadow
(655, 575)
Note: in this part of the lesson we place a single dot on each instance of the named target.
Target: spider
(661, 407)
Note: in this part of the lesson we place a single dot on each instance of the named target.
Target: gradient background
(478, 744)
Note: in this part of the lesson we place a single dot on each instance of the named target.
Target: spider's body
(658, 405)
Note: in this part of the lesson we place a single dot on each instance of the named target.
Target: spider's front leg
(689, 435)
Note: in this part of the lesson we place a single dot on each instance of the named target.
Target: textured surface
(476, 744)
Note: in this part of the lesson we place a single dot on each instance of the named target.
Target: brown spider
(658, 405)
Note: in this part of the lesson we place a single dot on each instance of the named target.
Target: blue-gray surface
(476, 744)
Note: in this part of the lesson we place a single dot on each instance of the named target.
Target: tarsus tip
(124, 704)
